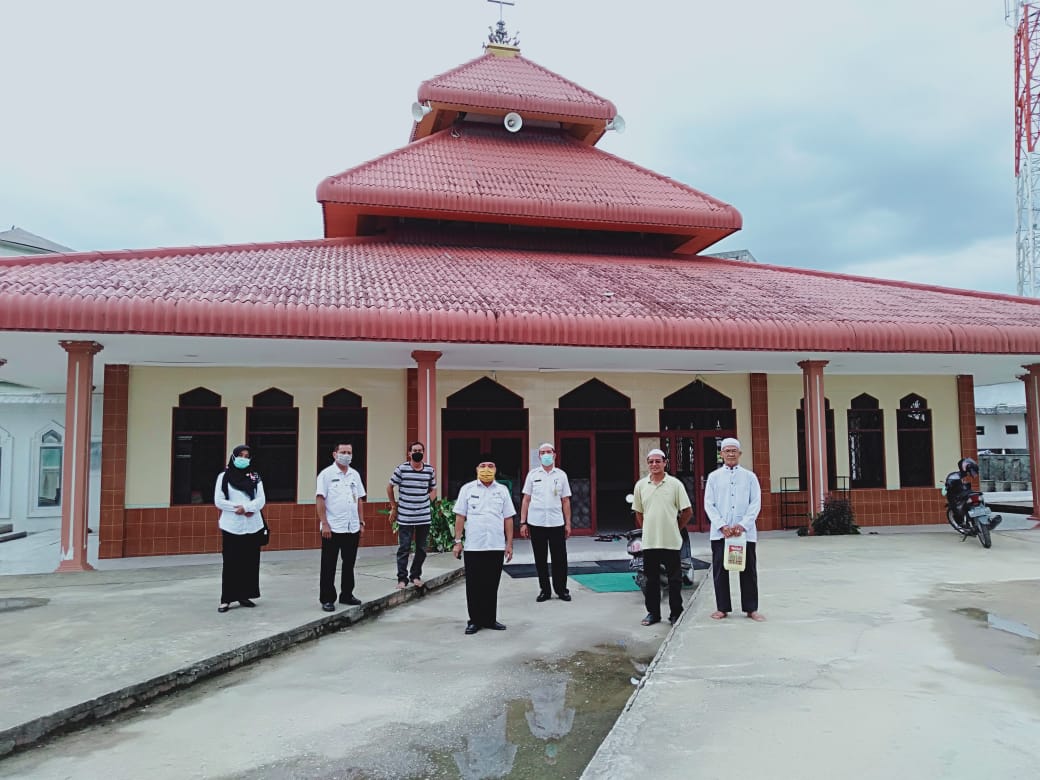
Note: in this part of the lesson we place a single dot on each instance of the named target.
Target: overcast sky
(864, 136)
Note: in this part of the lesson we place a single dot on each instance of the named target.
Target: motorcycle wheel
(951, 518)
(641, 581)
(984, 537)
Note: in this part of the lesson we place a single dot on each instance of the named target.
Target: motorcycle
(971, 517)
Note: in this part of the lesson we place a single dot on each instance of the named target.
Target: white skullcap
(729, 441)
(545, 444)
(656, 452)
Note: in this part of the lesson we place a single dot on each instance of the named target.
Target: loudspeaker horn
(513, 122)
(419, 110)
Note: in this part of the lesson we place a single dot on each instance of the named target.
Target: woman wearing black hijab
(239, 496)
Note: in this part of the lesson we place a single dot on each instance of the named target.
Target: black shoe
(673, 618)
(472, 628)
(223, 608)
(349, 600)
(246, 603)
(565, 596)
(543, 596)
(650, 620)
(328, 606)
(496, 626)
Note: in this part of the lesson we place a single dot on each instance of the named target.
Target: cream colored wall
(153, 394)
(785, 393)
(541, 392)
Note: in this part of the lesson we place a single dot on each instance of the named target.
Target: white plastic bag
(734, 555)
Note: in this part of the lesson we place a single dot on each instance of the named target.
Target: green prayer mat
(608, 582)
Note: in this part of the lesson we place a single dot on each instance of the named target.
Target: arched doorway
(595, 429)
(694, 420)
(484, 417)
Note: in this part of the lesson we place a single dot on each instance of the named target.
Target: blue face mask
(546, 458)
(241, 463)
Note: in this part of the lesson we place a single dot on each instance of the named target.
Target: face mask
(417, 457)
(241, 463)
(343, 460)
(546, 458)
(487, 476)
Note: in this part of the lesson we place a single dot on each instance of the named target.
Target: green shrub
(836, 518)
(442, 525)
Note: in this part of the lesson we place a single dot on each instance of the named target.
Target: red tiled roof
(467, 294)
(536, 173)
(515, 84)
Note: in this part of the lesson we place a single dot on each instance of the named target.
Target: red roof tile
(536, 173)
(515, 84)
(468, 294)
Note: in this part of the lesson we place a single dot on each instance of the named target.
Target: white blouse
(239, 524)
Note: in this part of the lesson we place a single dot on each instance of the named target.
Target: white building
(1000, 418)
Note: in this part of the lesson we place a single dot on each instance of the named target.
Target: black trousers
(483, 574)
(551, 541)
(748, 579)
(339, 546)
(652, 562)
(240, 576)
(405, 535)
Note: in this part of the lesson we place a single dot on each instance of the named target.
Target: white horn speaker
(513, 122)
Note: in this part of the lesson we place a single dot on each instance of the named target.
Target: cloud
(846, 133)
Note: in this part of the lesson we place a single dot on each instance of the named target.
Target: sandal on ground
(402, 585)
(649, 620)
(223, 608)
(417, 582)
(758, 617)
(718, 615)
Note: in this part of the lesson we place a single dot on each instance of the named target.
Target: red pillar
(1032, 382)
(79, 387)
(760, 448)
(966, 416)
(426, 401)
(815, 434)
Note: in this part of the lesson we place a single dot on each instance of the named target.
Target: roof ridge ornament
(499, 36)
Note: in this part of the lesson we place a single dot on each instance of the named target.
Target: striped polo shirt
(413, 493)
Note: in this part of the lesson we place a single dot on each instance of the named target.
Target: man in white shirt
(732, 501)
(338, 502)
(545, 516)
(484, 509)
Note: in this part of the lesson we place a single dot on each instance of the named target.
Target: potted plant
(835, 519)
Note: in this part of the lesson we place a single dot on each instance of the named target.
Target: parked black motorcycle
(635, 565)
(966, 509)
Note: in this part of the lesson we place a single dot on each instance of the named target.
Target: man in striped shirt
(416, 485)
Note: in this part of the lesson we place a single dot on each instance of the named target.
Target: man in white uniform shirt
(732, 501)
(338, 502)
(484, 509)
(545, 516)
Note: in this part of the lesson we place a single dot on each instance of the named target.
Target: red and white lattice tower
(1025, 17)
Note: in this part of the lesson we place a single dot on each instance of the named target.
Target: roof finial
(499, 36)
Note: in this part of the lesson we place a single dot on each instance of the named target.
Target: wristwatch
(458, 541)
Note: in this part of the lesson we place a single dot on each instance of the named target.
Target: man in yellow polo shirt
(662, 507)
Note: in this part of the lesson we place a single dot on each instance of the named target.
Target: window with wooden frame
(342, 418)
(273, 437)
(199, 446)
(914, 436)
(866, 442)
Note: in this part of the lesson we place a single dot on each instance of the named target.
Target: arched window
(273, 436)
(48, 493)
(832, 467)
(698, 406)
(343, 418)
(914, 432)
(866, 442)
(199, 446)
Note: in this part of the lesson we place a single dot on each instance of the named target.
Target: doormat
(607, 582)
(522, 570)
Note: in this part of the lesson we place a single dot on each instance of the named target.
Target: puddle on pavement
(992, 625)
(556, 729)
(552, 732)
(13, 603)
(999, 623)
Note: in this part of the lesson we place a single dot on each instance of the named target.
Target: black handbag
(266, 538)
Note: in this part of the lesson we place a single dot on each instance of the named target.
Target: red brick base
(193, 529)
(873, 507)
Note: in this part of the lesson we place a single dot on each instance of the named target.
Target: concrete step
(13, 535)
(6, 528)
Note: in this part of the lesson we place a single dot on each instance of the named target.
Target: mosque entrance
(694, 420)
(484, 417)
(595, 431)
